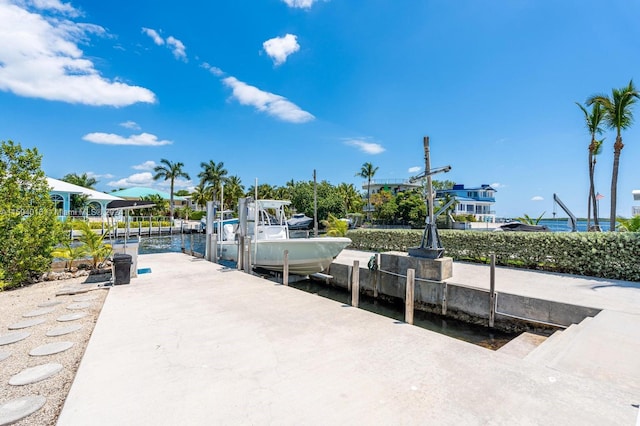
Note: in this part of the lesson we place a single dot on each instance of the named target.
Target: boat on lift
(266, 226)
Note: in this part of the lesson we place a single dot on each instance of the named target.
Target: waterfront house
(478, 201)
(138, 192)
(97, 201)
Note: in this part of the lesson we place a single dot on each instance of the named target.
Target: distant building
(138, 192)
(477, 201)
(393, 186)
(61, 192)
(635, 210)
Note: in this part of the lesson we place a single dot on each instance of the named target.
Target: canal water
(477, 335)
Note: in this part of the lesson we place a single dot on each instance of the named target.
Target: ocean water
(172, 243)
(562, 225)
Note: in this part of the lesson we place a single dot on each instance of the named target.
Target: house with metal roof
(138, 192)
(62, 191)
(478, 201)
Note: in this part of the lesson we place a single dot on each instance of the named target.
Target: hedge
(611, 255)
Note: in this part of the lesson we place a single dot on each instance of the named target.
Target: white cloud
(497, 185)
(143, 139)
(537, 198)
(130, 125)
(364, 146)
(301, 4)
(279, 48)
(270, 103)
(137, 179)
(98, 176)
(40, 58)
(154, 35)
(177, 47)
(213, 70)
(55, 5)
(414, 169)
(147, 165)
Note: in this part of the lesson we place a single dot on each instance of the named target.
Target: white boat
(270, 238)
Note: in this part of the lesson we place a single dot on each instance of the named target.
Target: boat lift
(572, 218)
(430, 246)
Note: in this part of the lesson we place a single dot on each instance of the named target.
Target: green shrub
(197, 215)
(611, 255)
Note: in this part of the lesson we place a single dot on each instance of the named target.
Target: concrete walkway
(190, 343)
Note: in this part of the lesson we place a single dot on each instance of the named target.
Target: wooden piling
(444, 298)
(409, 296)
(492, 291)
(285, 268)
(355, 284)
(376, 277)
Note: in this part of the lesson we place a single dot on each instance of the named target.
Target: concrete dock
(194, 343)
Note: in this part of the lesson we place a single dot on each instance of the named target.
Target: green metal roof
(138, 192)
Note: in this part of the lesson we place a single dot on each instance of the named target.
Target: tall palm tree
(368, 172)
(213, 175)
(233, 190)
(618, 116)
(592, 120)
(170, 171)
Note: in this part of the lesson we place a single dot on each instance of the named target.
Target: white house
(61, 192)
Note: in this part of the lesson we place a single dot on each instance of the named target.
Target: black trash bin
(122, 268)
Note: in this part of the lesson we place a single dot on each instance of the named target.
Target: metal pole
(240, 258)
(315, 205)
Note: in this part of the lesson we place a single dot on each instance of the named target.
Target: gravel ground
(13, 305)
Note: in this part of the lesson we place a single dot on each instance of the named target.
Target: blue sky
(278, 88)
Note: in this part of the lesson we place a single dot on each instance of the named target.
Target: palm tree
(592, 120)
(233, 190)
(79, 201)
(170, 171)
(213, 175)
(200, 196)
(368, 172)
(350, 197)
(618, 116)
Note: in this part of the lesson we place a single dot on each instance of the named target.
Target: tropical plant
(368, 171)
(94, 244)
(70, 252)
(29, 228)
(530, 220)
(233, 190)
(592, 121)
(336, 227)
(159, 207)
(350, 197)
(212, 176)
(629, 225)
(619, 116)
(200, 196)
(170, 171)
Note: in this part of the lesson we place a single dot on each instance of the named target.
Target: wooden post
(149, 225)
(181, 242)
(377, 277)
(214, 248)
(408, 300)
(492, 291)
(191, 248)
(285, 268)
(240, 256)
(355, 285)
(248, 259)
(444, 298)
(139, 228)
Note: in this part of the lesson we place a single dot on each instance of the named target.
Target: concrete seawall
(464, 300)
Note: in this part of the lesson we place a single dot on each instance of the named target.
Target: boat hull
(306, 256)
